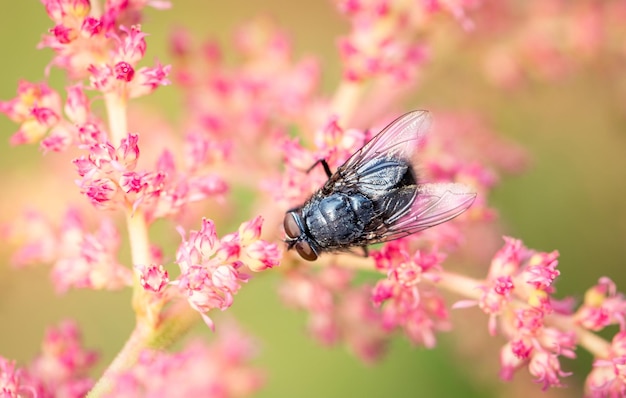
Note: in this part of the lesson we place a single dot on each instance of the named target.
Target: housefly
(375, 196)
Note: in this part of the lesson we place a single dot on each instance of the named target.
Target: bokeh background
(571, 198)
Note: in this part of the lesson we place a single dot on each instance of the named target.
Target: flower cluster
(518, 297)
(547, 40)
(603, 306)
(419, 310)
(36, 108)
(81, 259)
(110, 181)
(383, 39)
(212, 269)
(250, 103)
(60, 370)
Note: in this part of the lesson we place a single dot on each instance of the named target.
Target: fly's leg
(366, 252)
(324, 165)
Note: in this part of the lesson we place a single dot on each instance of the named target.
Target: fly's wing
(434, 204)
(396, 141)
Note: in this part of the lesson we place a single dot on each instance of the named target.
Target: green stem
(116, 111)
(123, 361)
(96, 9)
(346, 99)
(146, 309)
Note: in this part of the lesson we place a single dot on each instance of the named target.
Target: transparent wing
(434, 204)
(398, 140)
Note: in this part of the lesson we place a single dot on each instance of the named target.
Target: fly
(374, 196)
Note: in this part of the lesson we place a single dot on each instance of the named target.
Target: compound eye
(291, 226)
(306, 251)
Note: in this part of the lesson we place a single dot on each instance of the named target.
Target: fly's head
(297, 237)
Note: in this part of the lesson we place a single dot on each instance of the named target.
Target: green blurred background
(571, 199)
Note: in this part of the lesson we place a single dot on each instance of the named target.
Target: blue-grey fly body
(375, 196)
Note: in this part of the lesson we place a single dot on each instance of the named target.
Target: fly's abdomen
(338, 220)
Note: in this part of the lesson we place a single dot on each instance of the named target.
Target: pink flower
(508, 259)
(80, 259)
(37, 108)
(547, 369)
(89, 260)
(239, 127)
(250, 231)
(404, 271)
(263, 255)
(91, 26)
(77, 107)
(60, 10)
(131, 48)
(102, 78)
(607, 378)
(495, 299)
(124, 71)
(541, 269)
(63, 364)
(148, 79)
(511, 360)
(10, 379)
(602, 306)
(153, 277)
(36, 237)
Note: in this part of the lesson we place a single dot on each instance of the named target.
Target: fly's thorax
(337, 220)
